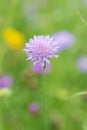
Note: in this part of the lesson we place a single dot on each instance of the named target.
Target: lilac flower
(82, 64)
(34, 108)
(39, 69)
(65, 39)
(41, 49)
(5, 81)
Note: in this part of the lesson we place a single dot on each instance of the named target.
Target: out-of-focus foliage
(19, 21)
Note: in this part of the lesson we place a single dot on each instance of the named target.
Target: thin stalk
(45, 100)
(77, 94)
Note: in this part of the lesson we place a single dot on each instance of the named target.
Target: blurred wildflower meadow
(20, 81)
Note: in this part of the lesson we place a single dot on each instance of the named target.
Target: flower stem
(77, 94)
(45, 100)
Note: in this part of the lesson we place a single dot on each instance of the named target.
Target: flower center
(43, 50)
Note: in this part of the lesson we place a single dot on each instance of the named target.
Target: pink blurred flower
(65, 39)
(39, 69)
(5, 81)
(34, 108)
(82, 64)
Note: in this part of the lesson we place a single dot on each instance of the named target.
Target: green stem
(77, 94)
(45, 100)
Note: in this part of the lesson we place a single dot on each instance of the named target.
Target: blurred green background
(19, 21)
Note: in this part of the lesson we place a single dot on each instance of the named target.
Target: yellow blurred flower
(60, 94)
(4, 92)
(14, 38)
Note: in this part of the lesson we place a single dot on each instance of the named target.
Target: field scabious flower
(41, 49)
(14, 38)
(5, 83)
(65, 39)
(82, 64)
(39, 69)
(34, 108)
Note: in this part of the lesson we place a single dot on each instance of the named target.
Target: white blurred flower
(5, 92)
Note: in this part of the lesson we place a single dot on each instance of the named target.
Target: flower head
(41, 49)
(34, 108)
(39, 69)
(65, 39)
(60, 94)
(5, 81)
(82, 64)
(14, 38)
(4, 92)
